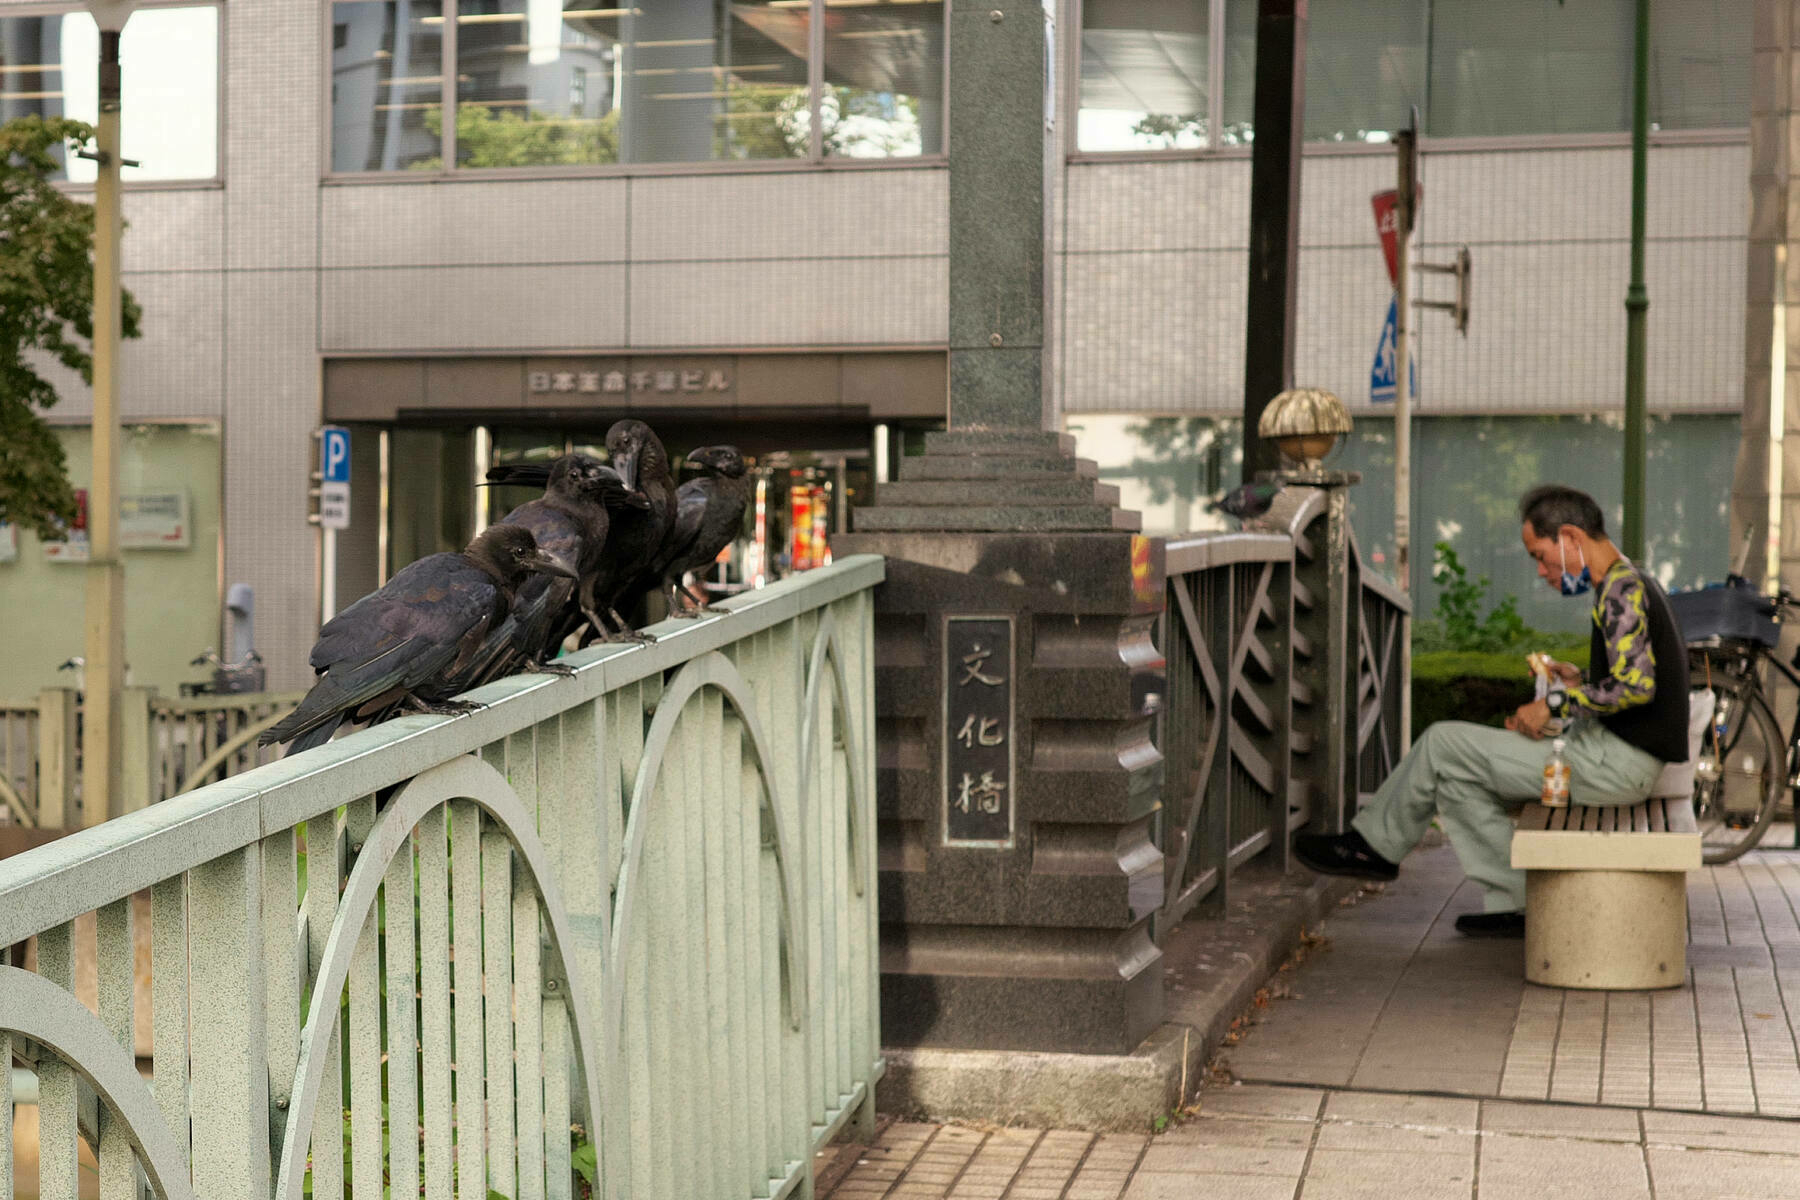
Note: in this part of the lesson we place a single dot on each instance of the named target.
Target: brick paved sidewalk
(1406, 1061)
(1291, 1143)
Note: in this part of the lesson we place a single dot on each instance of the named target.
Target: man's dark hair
(1550, 506)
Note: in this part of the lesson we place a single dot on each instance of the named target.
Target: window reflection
(387, 85)
(536, 84)
(1538, 67)
(169, 113)
(1144, 75)
(884, 79)
(569, 82)
(1531, 67)
(719, 80)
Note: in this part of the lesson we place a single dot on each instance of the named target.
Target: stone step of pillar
(998, 518)
(997, 467)
(1021, 443)
(1060, 490)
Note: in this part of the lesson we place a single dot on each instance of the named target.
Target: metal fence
(1285, 691)
(612, 934)
(170, 746)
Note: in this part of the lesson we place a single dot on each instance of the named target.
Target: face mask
(1574, 585)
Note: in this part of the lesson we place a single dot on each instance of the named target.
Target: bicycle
(1745, 762)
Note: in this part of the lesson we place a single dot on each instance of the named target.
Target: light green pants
(1474, 777)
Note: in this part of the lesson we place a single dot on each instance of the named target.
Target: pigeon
(1248, 501)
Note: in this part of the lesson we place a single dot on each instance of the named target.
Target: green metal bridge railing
(612, 934)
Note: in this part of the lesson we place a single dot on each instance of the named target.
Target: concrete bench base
(1615, 930)
(1606, 893)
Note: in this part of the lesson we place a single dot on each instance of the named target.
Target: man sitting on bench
(1631, 717)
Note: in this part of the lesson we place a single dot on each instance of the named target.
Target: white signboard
(155, 521)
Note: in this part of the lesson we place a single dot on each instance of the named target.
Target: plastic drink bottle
(1556, 778)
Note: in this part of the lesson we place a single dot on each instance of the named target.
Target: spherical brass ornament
(1304, 424)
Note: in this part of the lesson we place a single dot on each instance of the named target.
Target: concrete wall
(1153, 271)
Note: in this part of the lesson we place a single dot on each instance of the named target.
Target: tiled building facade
(257, 283)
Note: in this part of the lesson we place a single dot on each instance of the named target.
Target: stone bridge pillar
(1015, 673)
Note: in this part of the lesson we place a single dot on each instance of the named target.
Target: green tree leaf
(46, 309)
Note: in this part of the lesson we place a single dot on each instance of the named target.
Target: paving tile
(1377, 1166)
(1165, 1157)
(1247, 1100)
(1684, 1174)
(1204, 1186)
(1530, 1168)
(1239, 1131)
(1095, 1191)
(1560, 1120)
(1344, 1187)
(1437, 1112)
(1704, 1131)
(1334, 1135)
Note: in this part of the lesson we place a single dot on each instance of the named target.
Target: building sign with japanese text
(978, 778)
(619, 382)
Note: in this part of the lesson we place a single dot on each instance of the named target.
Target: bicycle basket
(1729, 613)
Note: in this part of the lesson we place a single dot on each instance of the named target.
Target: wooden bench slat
(1658, 813)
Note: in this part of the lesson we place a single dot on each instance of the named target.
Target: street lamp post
(102, 743)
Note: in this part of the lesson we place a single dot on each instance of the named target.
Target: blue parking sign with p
(334, 477)
(335, 454)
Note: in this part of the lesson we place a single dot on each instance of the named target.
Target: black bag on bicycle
(1733, 612)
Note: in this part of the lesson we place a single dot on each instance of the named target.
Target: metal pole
(102, 743)
(1637, 301)
(1279, 105)
(328, 574)
(1405, 144)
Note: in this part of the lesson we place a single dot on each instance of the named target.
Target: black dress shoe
(1342, 854)
(1494, 925)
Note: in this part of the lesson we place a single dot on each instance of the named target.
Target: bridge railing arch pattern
(611, 935)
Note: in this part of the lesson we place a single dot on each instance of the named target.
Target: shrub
(1453, 685)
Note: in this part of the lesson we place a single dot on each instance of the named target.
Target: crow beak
(626, 465)
(547, 563)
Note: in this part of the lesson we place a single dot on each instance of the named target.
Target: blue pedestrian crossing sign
(1382, 376)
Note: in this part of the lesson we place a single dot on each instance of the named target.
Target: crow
(709, 515)
(637, 454)
(396, 646)
(570, 520)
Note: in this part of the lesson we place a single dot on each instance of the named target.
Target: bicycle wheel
(1739, 777)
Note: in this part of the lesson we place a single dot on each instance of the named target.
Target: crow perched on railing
(637, 538)
(570, 520)
(709, 516)
(397, 647)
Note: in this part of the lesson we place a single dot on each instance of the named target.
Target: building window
(169, 113)
(1144, 75)
(515, 95)
(1474, 68)
(542, 83)
(884, 80)
(387, 85)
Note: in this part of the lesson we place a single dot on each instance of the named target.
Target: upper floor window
(169, 61)
(1151, 78)
(537, 83)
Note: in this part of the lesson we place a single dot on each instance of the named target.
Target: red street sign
(1386, 205)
